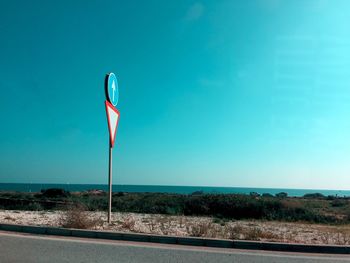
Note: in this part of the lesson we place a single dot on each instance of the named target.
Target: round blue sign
(112, 90)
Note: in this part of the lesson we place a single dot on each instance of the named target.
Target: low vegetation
(314, 208)
(76, 216)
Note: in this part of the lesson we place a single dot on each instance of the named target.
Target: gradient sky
(217, 93)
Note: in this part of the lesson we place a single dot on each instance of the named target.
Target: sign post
(110, 185)
(112, 96)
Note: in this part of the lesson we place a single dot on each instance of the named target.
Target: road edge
(189, 241)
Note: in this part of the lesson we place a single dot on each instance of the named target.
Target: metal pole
(110, 185)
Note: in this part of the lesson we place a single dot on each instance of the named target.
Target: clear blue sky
(218, 93)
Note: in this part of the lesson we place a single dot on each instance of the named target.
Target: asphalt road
(32, 248)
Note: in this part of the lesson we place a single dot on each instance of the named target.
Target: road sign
(112, 90)
(112, 95)
(113, 117)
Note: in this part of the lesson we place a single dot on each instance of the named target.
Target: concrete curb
(190, 241)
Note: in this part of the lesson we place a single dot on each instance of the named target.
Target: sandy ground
(193, 226)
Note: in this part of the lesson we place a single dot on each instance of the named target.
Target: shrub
(339, 203)
(55, 192)
(35, 207)
(228, 206)
(153, 203)
(254, 194)
(314, 196)
(267, 195)
(216, 220)
(76, 216)
(281, 195)
(197, 192)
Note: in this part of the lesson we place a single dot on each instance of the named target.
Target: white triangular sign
(113, 117)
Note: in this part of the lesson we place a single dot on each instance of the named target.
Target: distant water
(168, 189)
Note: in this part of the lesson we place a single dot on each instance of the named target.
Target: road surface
(35, 248)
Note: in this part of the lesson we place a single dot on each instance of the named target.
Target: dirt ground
(274, 231)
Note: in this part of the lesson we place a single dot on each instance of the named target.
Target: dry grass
(234, 232)
(256, 233)
(152, 225)
(249, 233)
(215, 231)
(182, 221)
(199, 230)
(10, 218)
(129, 223)
(342, 238)
(187, 226)
(253, 234)
(325, 237)
(338, 236)
(76, 216)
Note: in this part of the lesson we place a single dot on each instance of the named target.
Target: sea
(30, 187)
